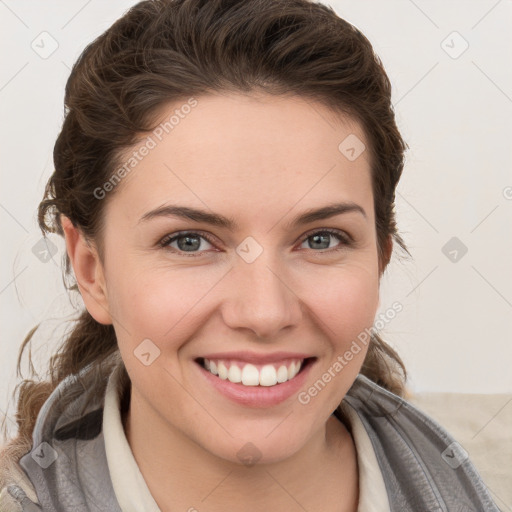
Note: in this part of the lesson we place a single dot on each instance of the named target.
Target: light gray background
(455, 112)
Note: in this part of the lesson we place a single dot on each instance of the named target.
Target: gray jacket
(424, 468)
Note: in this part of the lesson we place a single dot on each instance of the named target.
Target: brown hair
(164, 51)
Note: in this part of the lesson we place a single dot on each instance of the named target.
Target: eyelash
(345, 239)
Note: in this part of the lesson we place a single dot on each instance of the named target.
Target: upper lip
(254, 357)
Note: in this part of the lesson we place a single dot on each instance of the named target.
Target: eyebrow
(218, 220)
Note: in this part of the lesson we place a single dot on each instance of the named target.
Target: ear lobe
(88, 272)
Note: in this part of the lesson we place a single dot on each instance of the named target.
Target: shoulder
(17, 493)
(418, 457)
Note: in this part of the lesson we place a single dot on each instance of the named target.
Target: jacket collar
(424, 468)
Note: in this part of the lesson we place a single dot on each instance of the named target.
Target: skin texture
(262, 161)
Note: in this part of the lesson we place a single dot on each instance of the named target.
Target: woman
(225, 180)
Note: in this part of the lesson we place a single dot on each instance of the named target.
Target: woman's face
(251, 283)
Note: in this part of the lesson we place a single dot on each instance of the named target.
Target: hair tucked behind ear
(165, 51)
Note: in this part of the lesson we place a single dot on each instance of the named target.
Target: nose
(261, 299)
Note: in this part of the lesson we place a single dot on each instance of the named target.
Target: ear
(386, 255)
(88, 272)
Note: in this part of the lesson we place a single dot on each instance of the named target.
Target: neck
(181, 475)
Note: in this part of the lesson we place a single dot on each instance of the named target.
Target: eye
(321, 239)
(188, 241)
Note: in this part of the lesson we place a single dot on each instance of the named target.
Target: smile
(247, 374)
(255, 380)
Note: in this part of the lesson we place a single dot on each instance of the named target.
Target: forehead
(249, 153)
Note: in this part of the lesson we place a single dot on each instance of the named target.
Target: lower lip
(257, 396)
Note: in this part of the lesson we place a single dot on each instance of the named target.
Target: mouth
(247, 374)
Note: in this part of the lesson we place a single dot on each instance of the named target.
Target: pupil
(188, 245)
(325, 237)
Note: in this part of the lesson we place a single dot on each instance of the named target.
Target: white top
(133, 494)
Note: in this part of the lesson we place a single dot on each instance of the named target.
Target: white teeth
(282, 374)
(234, 374)
(268, 376)
(223, 371)
(249, 375)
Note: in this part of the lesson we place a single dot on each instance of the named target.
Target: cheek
(345, 301)
(158, 304)
(345, 306)
(164, 303)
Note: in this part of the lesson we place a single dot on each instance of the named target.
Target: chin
(259, 448)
